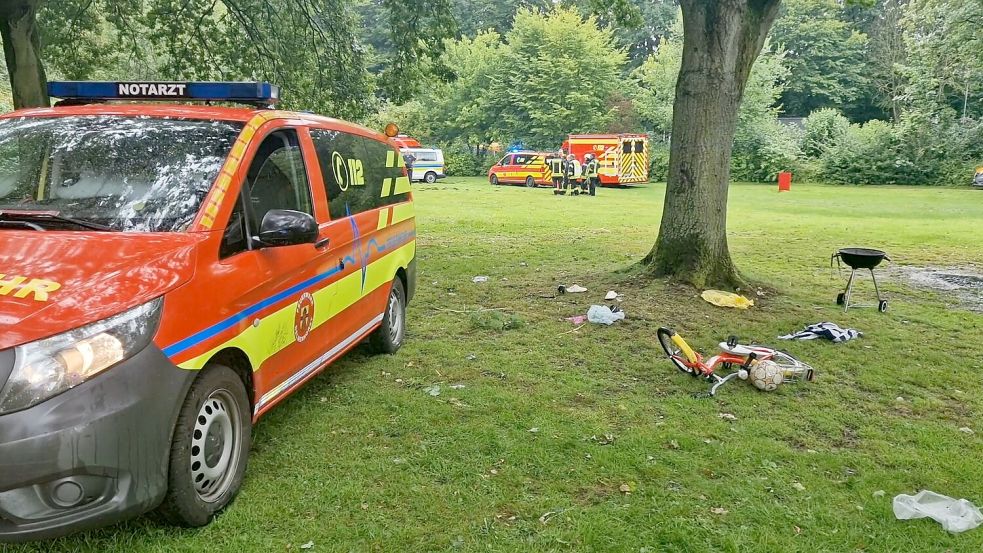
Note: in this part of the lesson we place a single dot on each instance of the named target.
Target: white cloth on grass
(828, 331)
(954, 515)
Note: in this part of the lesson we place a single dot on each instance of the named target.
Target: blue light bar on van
(253, 93)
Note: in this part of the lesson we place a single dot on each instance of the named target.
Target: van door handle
(322, 243)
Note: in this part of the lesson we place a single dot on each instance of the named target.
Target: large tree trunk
(721, 40)
(22, 51)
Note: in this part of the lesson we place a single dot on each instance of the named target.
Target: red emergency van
(623, 158)
(524, 167)
(168, 274)
(403, 141)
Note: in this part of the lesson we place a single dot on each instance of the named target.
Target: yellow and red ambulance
(523, 167)
(623, 158)
(168, 274)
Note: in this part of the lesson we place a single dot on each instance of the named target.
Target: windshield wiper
(16, 215)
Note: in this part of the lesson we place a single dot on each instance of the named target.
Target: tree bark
(22, 52)
(721, 40)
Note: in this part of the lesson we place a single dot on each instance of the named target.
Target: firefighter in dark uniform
(592, 171)
(556, 167)
(569, 172)
(409, 160)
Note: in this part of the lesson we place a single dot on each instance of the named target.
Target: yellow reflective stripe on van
(383, 219)
(217, 193)
(276, 330)
(391, 158)
(403, 211)
(387, 187)
(395, 185)
(402, 185)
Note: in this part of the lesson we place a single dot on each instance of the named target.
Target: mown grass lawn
(536, 429)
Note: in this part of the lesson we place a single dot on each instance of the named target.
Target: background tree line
(886, 94)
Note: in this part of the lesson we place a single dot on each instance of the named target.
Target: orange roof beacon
(170, 272)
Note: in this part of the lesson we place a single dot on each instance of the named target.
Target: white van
(427, 163)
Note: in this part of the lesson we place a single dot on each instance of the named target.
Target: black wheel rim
(215, 445)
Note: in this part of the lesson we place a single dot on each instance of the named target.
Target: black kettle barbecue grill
(859, 258)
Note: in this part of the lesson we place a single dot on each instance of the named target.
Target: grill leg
(876, 289)
(849, 290)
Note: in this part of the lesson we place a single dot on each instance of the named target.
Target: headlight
(49, 367)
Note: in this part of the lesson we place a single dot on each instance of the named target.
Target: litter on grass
(826, 331)
(612, 295)
(602, 314)
(479, 278)
(577, 319)
(575, 289)
(955, 515)
(726, 299)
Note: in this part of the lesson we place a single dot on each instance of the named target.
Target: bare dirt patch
(962, 284)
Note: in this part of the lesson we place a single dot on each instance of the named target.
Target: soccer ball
(766, 375)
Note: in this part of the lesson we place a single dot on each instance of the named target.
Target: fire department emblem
(304, 317)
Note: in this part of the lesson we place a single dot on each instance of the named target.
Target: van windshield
(137, 174)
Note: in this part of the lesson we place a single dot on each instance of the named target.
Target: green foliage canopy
(825, 55)
(556, 77)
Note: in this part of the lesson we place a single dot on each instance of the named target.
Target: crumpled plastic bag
(726, 299)
(602, 314)
(955, 515)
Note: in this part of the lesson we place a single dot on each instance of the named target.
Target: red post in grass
(784, 181)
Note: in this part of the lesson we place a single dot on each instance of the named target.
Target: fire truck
(624, 158)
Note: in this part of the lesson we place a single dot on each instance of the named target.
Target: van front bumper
(93, 455)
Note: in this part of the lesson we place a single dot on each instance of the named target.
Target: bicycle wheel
(793, 368)
(672, 351)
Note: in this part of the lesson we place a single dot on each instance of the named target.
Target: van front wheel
(430, 177)
(209, 448)
(389, 336)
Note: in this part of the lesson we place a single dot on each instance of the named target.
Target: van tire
(430, 177)
(389, 336)
(217, 410)
(530, 182)
(494, 180)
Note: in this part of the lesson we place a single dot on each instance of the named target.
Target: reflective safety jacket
(569, 167)
(592, 168)
(556, 166)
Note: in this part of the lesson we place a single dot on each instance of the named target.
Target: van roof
(185, 111)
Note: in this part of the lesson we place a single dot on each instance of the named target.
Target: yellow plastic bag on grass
(726, 299)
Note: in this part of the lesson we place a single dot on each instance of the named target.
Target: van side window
(358, 172)
(427, 156)
(277, 178)
(380, 179)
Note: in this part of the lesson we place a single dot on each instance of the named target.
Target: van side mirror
(286, 227)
